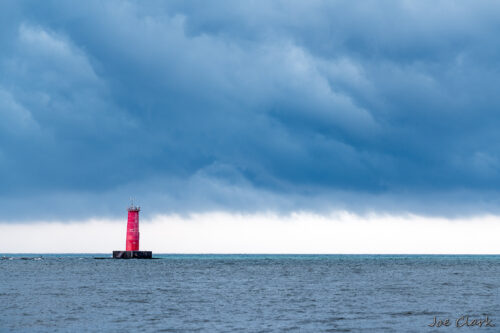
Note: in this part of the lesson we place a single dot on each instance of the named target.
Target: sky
(281, 112)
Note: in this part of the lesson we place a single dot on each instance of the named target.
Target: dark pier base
(132, 255)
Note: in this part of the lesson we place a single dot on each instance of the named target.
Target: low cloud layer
(255, 106)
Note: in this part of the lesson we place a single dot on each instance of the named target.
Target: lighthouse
(132, 242)
(132, 237)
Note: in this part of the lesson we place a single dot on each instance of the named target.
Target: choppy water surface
(249, 293)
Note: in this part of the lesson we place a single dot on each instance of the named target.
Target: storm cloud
(253, 106)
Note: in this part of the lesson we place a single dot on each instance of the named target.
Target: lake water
(247, 293)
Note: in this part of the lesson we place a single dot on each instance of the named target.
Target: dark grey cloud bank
(265, 105)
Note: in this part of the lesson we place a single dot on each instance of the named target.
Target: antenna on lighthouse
(132, 206)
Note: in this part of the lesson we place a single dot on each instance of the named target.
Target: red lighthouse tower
(132, 239)
(132, 243)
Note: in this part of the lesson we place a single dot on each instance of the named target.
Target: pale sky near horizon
(298, 233)
(267, 126)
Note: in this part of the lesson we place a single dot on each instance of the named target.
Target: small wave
(415, 313)
(20, 258)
